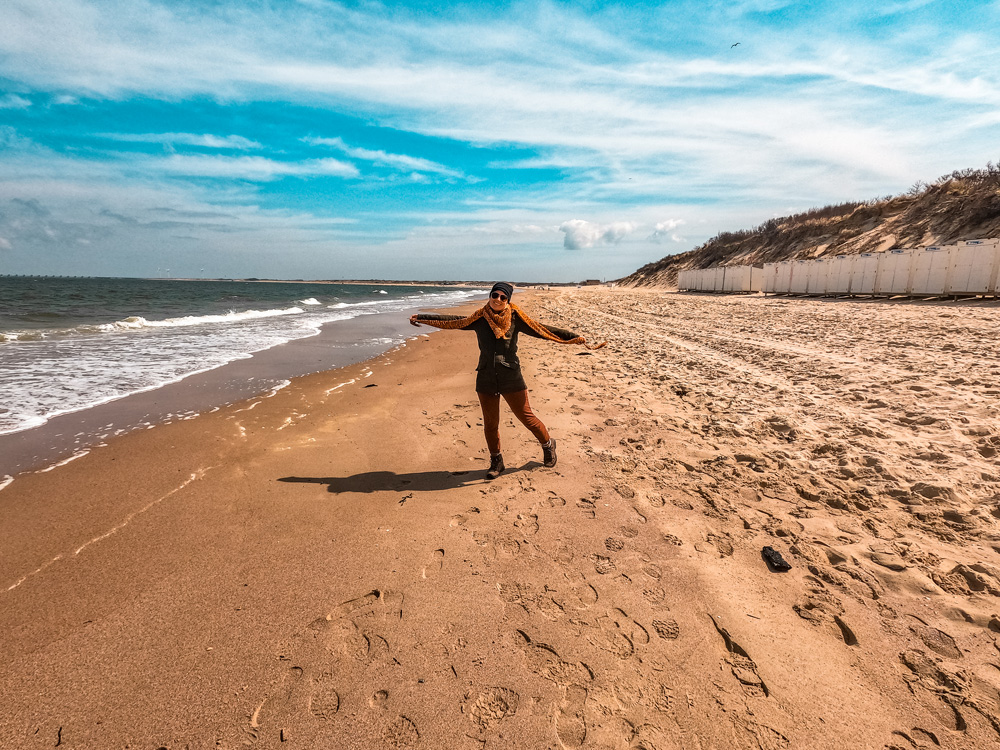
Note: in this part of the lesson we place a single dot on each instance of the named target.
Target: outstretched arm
(562, 333)
(419, 318)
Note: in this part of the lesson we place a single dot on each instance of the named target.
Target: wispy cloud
(13, 101)
(385, 159)
(253, 168)
(234, 142)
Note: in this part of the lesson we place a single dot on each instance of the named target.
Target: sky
(535, 141)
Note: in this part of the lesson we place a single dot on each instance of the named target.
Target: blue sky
(533, 141)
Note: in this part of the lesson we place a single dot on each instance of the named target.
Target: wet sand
(327, 568)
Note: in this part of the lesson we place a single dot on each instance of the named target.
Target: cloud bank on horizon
(317, 139)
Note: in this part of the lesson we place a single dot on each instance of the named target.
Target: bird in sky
(734, 45)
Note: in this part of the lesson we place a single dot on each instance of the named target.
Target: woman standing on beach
(497, 324)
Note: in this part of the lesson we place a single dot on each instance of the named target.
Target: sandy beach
(327, 568)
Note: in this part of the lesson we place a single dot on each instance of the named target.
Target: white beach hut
(769, 276)
(741, 279)
(819, 272)
(894, 268)
(839, 278)
(719, 279)
(974, 266)
(783, 277)
(865, 273)
(729, 278)
(708, 281)
(800, 276)
(930, 270)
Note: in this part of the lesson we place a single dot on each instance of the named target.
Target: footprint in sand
(618, 634)
(527, 523)
(667, 628)
(493, 705)
(603, 565)
(936, 640)
(571, 725)
(434, 567)
(324, 700)
(401, 734)
(653, 571)
(544, 661)
(743, 667)
(553, 501)
(308, 697)
(654, 595)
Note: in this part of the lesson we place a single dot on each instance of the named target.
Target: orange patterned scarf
(500, 324)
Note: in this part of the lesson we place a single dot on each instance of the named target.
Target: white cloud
(665, 230)
(5, 244)
(581, 234)
(252, 168)
(385, 159)
(592, 95)
(13, 101)
(187, 139)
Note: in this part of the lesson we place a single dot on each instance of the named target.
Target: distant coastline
(368, 282)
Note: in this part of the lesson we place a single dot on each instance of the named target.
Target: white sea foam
(197, 320)
(137, 322)
(5, 482)
(310, 301)
(282, 384)
(65, 461)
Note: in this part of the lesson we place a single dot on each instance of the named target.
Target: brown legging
(518, 403)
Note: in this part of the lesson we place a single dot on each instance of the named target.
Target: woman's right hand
(413, 320)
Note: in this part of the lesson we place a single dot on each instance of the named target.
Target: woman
(497, 324)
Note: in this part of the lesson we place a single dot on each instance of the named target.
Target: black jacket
(499, 369)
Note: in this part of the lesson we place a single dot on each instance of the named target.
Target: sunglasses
(499, 296)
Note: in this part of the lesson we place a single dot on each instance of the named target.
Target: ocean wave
(137, 322)
(310, 301)
(197, 320)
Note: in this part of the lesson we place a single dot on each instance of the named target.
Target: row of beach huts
(964, 269)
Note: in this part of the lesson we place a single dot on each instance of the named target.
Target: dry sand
(326, 568)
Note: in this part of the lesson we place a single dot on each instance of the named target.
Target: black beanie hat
(503, 286)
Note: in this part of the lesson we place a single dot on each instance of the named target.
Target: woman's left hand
(413, 320)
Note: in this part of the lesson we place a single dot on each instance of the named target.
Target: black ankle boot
(549, 454)
(496, 466)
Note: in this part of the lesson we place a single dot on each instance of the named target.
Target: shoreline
(337, 345)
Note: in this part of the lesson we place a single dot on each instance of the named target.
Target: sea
(71, 344)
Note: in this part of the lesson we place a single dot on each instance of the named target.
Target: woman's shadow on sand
(417, 481)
